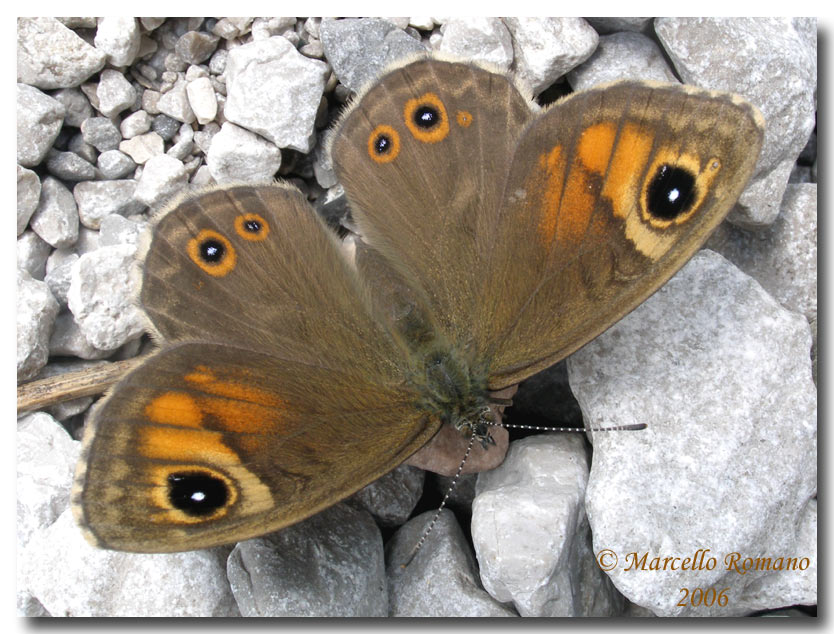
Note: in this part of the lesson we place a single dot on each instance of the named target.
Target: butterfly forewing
(610, 192)
(529, 233)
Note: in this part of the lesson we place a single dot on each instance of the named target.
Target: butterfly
(496, 239)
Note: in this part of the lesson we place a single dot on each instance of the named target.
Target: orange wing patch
(577, 203)
(188, 436)
(199, 445)
(552, 166)
(630, 157)
(175, 408)
(595, 145)
(236, 406)
(568, 206)
(241, 407)
(617, 157)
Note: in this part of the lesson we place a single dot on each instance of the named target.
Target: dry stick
(65, 387)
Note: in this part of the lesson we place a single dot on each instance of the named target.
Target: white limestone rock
(72, 578)
(36, 312)
(49, 55)
(101, 297)
(329, 565)
(547, 48)
(721, 374)
(531, 534)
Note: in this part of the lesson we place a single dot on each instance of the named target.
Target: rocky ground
(115, 115)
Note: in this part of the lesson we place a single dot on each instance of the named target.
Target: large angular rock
(236, 154)
(72, 578)
(547, 48)
(441, 579)
(531, 533)
(359, 49)
(721, 374)
(625, 55)
(782, 257)
(101, 297)
(773, 63)
(275, 91)
(119, 37)
(32, 253)
(39, 120)
(329, 565)
(36, 312)
(479, 38)
(28, 196)
(99, 199)
(49, 55)
(56, 218)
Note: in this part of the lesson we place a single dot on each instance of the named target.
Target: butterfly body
(496, 238)
(456, 393)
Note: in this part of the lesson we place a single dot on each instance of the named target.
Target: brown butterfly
(497, 239)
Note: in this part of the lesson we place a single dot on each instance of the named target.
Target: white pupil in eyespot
(198, 496)
(674, 195)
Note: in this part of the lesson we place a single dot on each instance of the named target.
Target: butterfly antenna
(442, 504)
(472, 436)
(632, 427)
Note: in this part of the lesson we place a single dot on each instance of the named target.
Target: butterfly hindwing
(422, 156)
(204, 444)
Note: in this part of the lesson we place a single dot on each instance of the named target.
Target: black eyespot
(382, 144)
(671, 192)
(426, 117)
(197, 494)
(212, 250)
(252, 227)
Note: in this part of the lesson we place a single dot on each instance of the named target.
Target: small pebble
(135, 124)
(28, 195)
(114, 92)
(56, 218)
(165, 126)
(79, 146)
(101, 133)
(68, 166)
(114, 164)
(143, 147)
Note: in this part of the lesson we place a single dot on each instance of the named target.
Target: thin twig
(70, 385)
